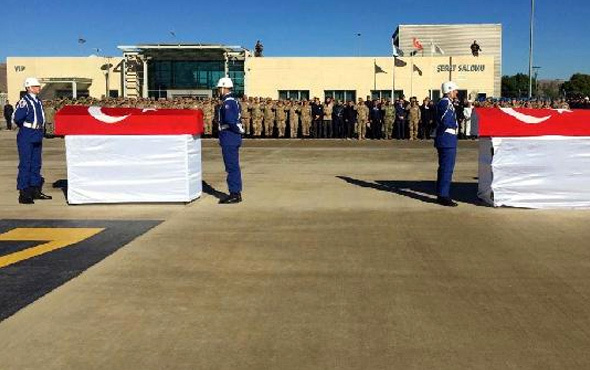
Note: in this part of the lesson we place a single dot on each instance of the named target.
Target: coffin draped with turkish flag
(128, 155)
(534, 158)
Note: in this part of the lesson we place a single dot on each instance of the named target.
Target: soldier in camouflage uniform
(293, 118)
(281, 117)
(269, 118)
(208, 112)
(363, 119)
(257, 117)
(414, 116)
(246, 116)
(388, 119)
(306, 119)
(49, 109)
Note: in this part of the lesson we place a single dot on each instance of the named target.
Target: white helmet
(449, 86)
(225, 82)
(32, 81)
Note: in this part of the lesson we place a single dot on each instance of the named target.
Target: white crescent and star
(98, 114)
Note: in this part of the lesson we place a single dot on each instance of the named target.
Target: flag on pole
(378, 69)
(436, 49)
(417, 44)
(396, 52)
(417, 69)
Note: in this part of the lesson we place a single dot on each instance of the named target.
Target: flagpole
(430, 73)
(374, 74)
(531, 49)
(393, 80)
(412, 77)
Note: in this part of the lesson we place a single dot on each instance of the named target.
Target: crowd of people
(377, 119)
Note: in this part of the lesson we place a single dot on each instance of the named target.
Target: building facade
(455, 40)
(170, 70)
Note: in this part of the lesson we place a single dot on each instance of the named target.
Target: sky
(296, 28)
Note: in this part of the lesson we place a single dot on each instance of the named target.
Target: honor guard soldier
(30, 119)
(230, 139)
(446, 143)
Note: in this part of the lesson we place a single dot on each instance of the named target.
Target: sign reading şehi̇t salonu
(460, 68)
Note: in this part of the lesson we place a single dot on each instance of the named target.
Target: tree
(578, 86)
(516, 86)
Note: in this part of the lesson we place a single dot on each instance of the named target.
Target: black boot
(447, 202)
(232, 198)
(37, 194)
(25, 197)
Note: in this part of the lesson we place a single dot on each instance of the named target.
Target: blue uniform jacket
(446, 120)
(230, 121)
(30, 110)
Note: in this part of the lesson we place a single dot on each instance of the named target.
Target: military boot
(232, 198)
(37, 194)
(25, 197)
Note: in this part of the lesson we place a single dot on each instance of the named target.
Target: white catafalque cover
(124, 155)
(539, 162)
(129, 168)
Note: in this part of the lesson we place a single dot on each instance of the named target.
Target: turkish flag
(417, 44)
(525, 122)
(94, 120)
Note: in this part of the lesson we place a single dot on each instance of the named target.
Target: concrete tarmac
(336, 259)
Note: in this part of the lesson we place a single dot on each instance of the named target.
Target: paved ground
(337, 259)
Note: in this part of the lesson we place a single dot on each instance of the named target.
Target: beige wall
(265, 76)
(62, 67)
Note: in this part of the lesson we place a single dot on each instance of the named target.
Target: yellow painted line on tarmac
(56, 238)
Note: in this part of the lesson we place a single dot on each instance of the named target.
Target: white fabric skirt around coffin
(535, 172)
(133, 168)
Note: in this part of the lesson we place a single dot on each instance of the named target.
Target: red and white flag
(524, 122)
(80, 120)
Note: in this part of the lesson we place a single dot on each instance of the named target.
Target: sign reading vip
(460, 68)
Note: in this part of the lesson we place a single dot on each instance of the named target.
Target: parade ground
(338, 258)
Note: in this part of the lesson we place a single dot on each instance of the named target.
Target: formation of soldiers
(363, 119)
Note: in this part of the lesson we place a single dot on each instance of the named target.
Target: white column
(124, 74)
(144, 93)
(74, 90)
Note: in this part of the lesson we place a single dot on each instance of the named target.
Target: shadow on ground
(208, 189)
(63, 185)
(422, 190)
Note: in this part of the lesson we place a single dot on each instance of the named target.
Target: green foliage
(578, 86)
(516, 86)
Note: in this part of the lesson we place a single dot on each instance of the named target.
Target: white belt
(31, 125)
(452, 131)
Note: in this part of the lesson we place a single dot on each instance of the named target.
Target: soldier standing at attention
(363, 119)
(414, 118)
(30, 119)
(446, 143)
(306, 119)
(8, 110)
(388, 119)
(328, 130)
(230, 139)
(208, 109)
(281, 118)
(269, 118)
(245, 106)
(257, 117)
(293, 119)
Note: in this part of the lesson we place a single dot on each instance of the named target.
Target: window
(482, 96)
(385, 94)
(113, 93)
(293, 94)
(434, 95)
(343, 95)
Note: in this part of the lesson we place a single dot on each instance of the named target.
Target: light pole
(536, 74)
(531, 49)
